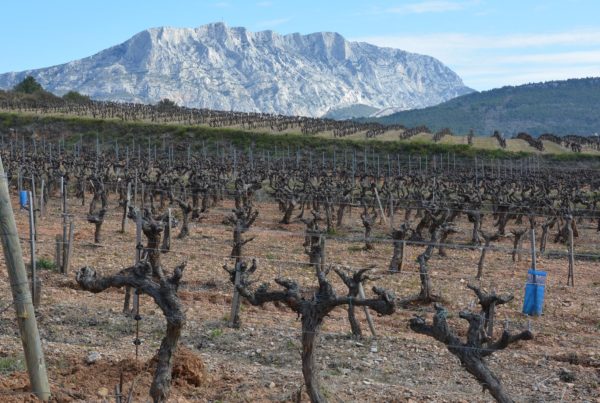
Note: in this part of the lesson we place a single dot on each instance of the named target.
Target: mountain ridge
(560, 107)
(217, 67)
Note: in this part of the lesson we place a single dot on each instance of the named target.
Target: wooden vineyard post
(533, 254)
(126, 208)
(138, 238)
(32, 202)
(135, 188)
(19, 180)
(234, 316)
(322, 245)
(136, 294)
(391, 207)
(35, 291)
(118, 393)
(402, 251)
(166, 246)
(63, 192)
(58, 252)
(380, 206)
(361, 294)
(69, 248)
(34, 356)
(42, 205)
(138, 256)
(570, 275)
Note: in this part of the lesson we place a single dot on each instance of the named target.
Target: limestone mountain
(218, 67)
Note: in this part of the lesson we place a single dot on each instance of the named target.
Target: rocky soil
(88, 341)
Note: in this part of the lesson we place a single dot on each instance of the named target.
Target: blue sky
(489, 43)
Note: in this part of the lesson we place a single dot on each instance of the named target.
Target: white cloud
(434, 43)
(496, 79)
(431, 6)
(487, 61)
(582, 57)
(222, 4)
(272, 23)
(587, 37)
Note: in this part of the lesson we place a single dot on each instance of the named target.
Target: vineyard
(168, 113)
(211, 272)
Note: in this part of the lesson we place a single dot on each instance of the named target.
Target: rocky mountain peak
(231, 68)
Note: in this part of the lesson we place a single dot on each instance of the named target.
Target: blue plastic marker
(23, 199)
(533, 302)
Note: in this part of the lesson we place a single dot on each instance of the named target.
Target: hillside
(43, 114)
(73, 128)
(559, 107)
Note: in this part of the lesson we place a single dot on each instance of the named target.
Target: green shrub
(11, 364)
(46, 264)
(215, 333)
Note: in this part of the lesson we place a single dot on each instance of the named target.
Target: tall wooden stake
(361, 294)
(34, 281)
(380, 206)
(126, 208)
(32, 202)
(69, 249)
(135, 187)
(533, 254)
(42, 205)
(34, 356)
(323, 245)
(138, 257)
(63, 187)
(571, 274)
(234, 316)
